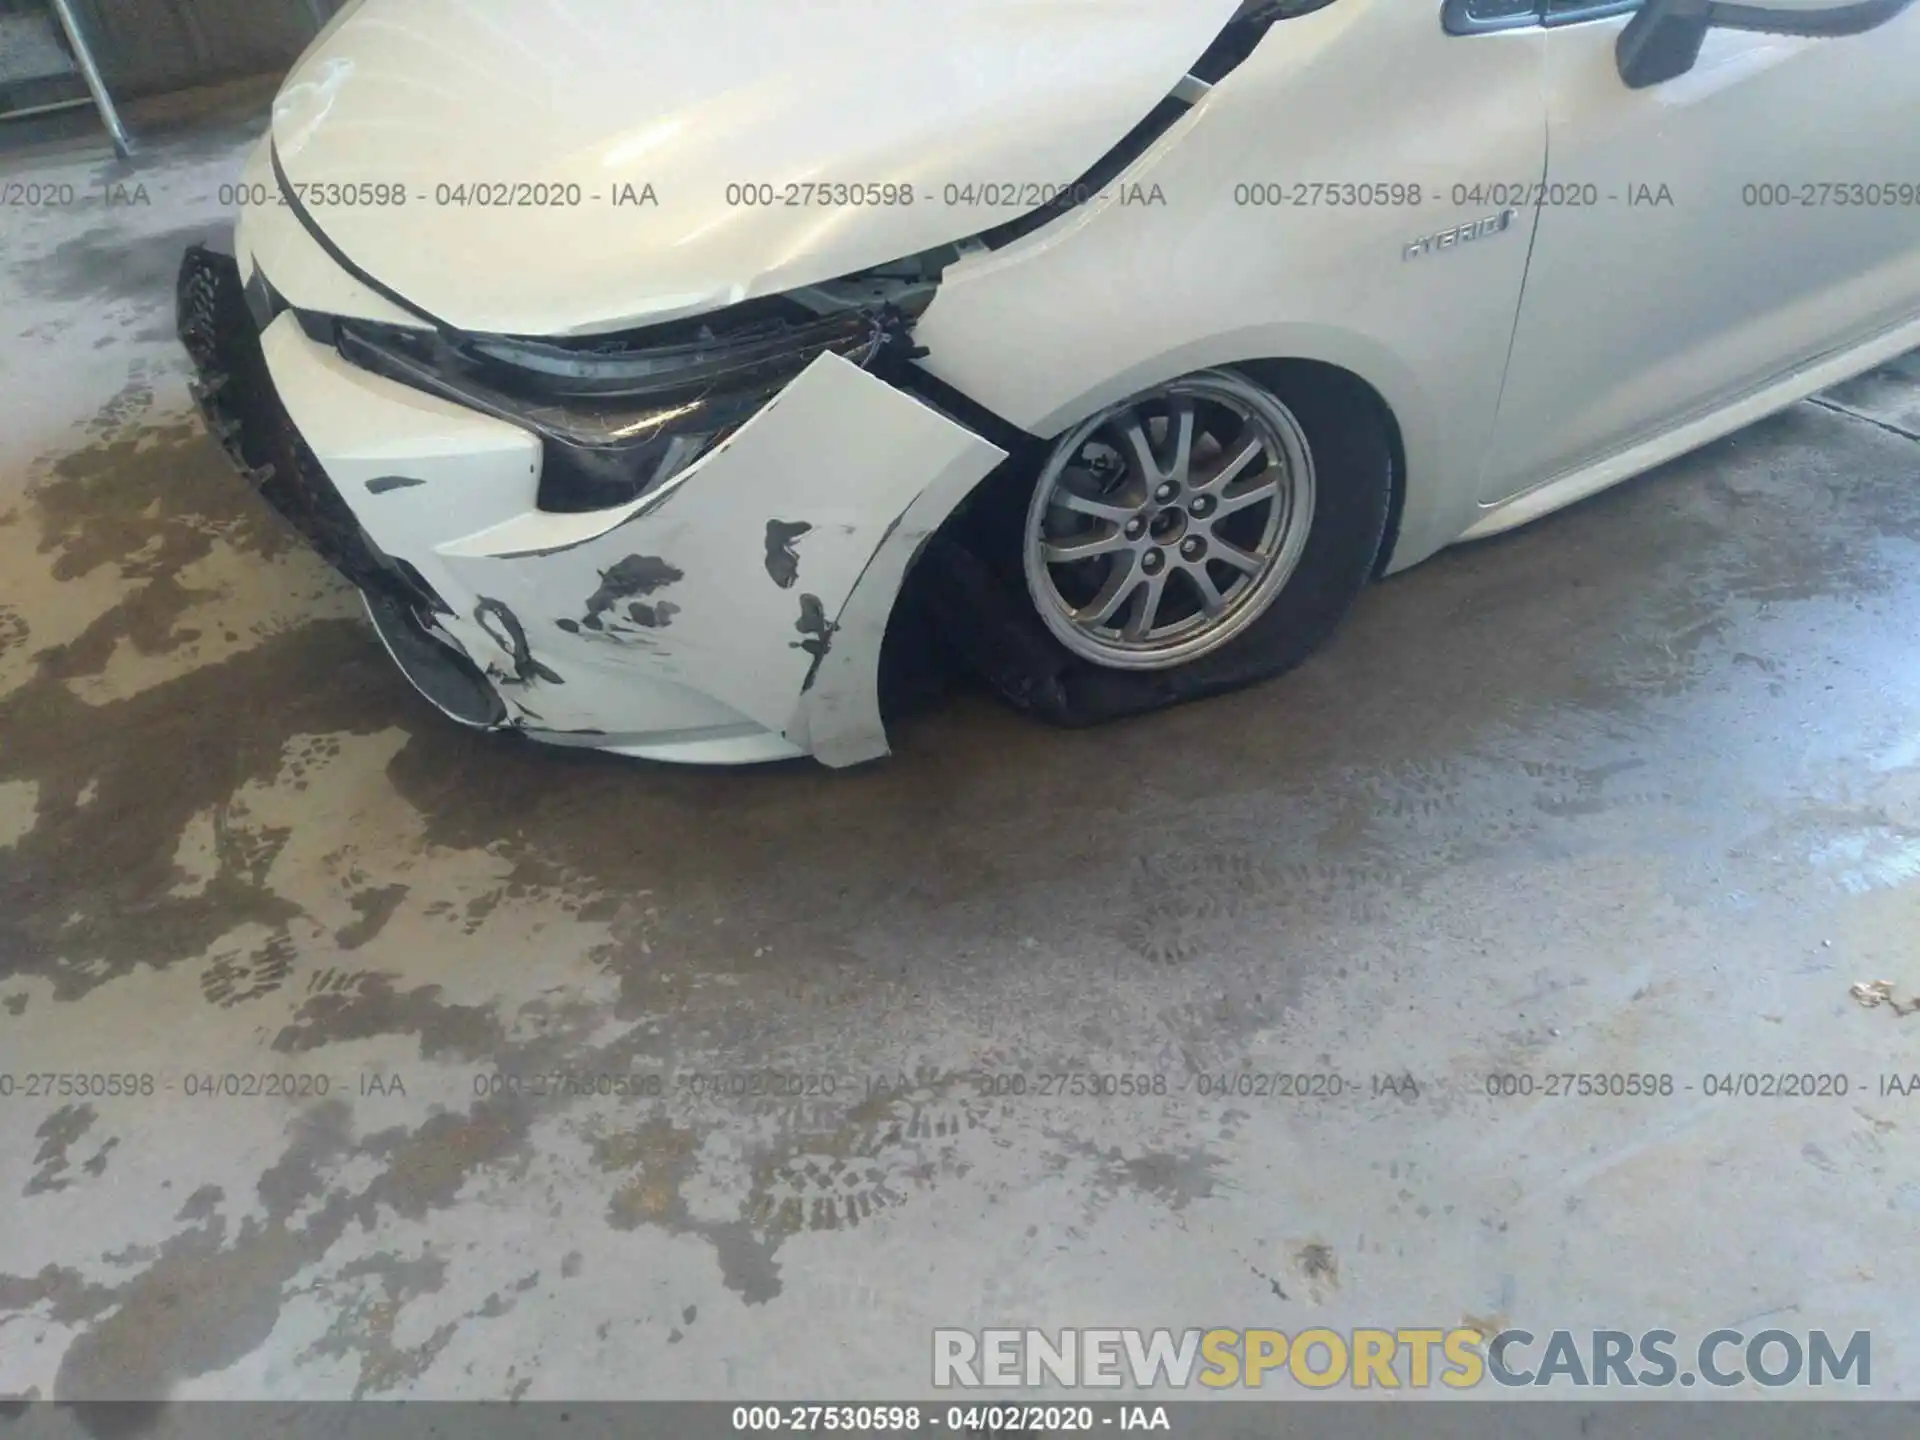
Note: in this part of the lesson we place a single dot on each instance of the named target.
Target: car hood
(654, 108)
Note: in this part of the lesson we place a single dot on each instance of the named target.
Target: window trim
(1455, 19)
(1596, 10)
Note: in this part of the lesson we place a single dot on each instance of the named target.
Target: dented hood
(689, 97)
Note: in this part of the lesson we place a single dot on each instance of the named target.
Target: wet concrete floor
(591, 1079)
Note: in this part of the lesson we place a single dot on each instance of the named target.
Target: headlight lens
(618, 418)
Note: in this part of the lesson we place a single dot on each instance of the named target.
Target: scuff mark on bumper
(783, 558)
(510, 635)
(659, 616)
(635, 576)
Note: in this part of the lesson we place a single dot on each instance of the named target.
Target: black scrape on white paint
(819, 632)
(656, 616)
(630, 579)
(506, 631)
(783, 559)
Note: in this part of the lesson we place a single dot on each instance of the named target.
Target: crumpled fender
(764, 574)
(753, 589)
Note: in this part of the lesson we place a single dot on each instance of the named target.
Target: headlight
(620, 418)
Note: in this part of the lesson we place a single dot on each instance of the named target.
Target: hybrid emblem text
(1459, 235)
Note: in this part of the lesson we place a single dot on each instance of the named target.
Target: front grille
(236, 398)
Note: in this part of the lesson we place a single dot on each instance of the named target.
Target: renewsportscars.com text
(1414, 1358)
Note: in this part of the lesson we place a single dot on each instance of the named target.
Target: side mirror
(1663, 39)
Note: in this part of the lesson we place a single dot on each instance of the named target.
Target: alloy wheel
(1164, 526)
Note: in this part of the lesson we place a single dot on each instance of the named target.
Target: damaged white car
(646, 362)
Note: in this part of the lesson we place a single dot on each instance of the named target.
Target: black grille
(236, 398)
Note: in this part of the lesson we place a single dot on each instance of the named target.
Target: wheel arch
(1381, 390)
(1005, 488)
(1354, 393)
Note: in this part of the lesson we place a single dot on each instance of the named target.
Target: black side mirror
(1663, 39)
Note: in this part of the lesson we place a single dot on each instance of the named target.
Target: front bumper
(735, 614)
(235, 396)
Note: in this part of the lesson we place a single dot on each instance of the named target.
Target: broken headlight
(619, 416)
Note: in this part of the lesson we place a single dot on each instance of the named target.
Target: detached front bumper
(734, 615)
(235, 395)
(236, 398)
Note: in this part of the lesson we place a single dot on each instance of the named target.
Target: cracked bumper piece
(237, 401)
(734, 615)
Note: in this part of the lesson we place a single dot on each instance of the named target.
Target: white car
(645, 361)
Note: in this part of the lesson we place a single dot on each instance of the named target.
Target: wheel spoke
(1085, 546)
(1244, 456)
(1261, 489)
(1146, 609)
(1233, 555)
(1122, 580)
(1110, 508)
(1182, 462)
(1211, 600)
(1143, 455)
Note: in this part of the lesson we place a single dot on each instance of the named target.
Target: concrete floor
(1637, 789)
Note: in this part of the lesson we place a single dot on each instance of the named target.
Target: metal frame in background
(69, 18)
(81, 57)
(96, 86)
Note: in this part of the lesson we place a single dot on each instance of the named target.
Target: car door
(1702, 236)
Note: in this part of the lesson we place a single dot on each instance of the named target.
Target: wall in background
(148, 47)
